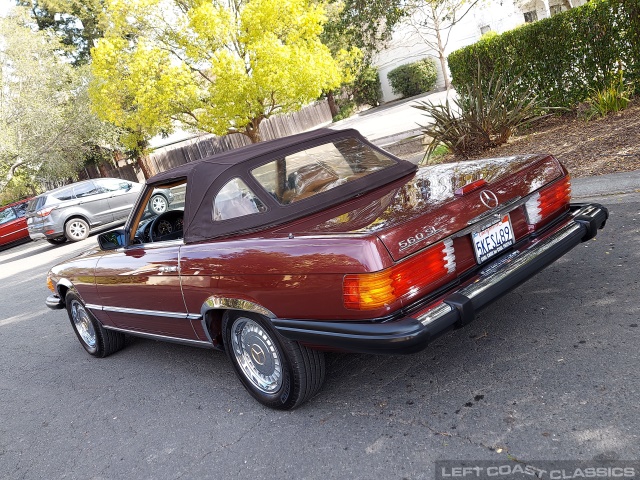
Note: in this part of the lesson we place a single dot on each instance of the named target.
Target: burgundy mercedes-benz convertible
(319, 241)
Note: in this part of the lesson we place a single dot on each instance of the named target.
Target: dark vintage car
(13, 224)
(315, 242)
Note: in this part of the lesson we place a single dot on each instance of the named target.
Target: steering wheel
(166, 226)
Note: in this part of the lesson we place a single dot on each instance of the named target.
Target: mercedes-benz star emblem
(489, 199)
(257, 354)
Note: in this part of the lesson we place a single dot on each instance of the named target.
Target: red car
(320, 241)
(13, 223)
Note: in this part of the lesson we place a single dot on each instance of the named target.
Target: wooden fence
(203, 146)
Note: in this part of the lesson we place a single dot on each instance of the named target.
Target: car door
(94, 200)
(12, 226)
(139, 288)
(122, 195)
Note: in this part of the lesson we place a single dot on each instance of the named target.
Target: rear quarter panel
(292, 277)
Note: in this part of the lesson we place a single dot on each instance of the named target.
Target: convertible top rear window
(319, 169)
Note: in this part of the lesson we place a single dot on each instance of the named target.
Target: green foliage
(561, 58)
(364, 24)
(74, 21)
(46, 124)
(346, 110)
(413, 78)
(216, 66)
(366, 89)
(612, 98)
(485, 115)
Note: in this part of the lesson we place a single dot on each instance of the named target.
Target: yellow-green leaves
(215, 66)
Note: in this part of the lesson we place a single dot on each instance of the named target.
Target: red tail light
(545, 204)
(44, 212)
(369, 291)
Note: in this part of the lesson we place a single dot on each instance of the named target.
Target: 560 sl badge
(427, 232)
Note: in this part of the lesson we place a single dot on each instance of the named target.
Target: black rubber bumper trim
(54, 302)
(408, 335)
(593, 219)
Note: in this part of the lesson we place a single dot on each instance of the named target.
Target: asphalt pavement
(548, 372)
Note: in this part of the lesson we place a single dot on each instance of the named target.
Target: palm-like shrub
(613, 98)
(485, 115)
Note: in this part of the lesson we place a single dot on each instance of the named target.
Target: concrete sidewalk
(611, 184)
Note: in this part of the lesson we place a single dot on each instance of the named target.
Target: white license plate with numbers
(493, 239)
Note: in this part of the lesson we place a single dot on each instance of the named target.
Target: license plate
(493, 239)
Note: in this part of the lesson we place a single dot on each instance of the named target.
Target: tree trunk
(331, 100)
(252, 130)
(441, 56)
(141, 162)
(11, 173)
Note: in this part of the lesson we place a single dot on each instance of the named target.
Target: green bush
(485, 115)
(612, 98)
(413, 78)
(562, 58)
(366, 89)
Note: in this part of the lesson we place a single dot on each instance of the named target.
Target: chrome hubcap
(257, 355)
(77, 229)
(83, 325)
(158, 204)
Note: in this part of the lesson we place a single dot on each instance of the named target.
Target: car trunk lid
(412, 214)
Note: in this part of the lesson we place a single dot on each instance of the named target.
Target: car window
(235, 200)
(21, 209)
(36, 203)
(66, 194)
(86, 189)
(7, 215)
(319, 169)
(112, 184)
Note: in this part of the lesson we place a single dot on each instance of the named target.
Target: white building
(408, 41)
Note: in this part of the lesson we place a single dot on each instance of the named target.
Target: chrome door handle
(168, 269)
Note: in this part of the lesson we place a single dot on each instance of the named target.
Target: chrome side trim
(151, 313)
(164, 338)
(214, 303)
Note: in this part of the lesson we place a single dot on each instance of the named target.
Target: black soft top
(207, 176)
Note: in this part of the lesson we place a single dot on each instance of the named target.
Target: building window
(553, 9)
(531, 16)
(485, 29)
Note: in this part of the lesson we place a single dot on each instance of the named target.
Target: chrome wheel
(159, 204)
(83, 325)
(77, 229)
(257, 355)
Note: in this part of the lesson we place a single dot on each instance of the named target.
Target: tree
(364, 24)
(46, 124)
(433, 20)
(75, 21)
(217, 66)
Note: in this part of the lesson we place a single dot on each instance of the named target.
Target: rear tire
(76, 229)
(94, 338)
(57, 241)
(158, 204)
(277, 372)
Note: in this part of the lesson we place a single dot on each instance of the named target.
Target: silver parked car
(72, 211)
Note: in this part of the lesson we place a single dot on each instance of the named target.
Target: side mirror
(112, 240)
(125, 186)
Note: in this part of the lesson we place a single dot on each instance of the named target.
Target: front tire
(277, 372)
(94, 338)
(76, 229)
